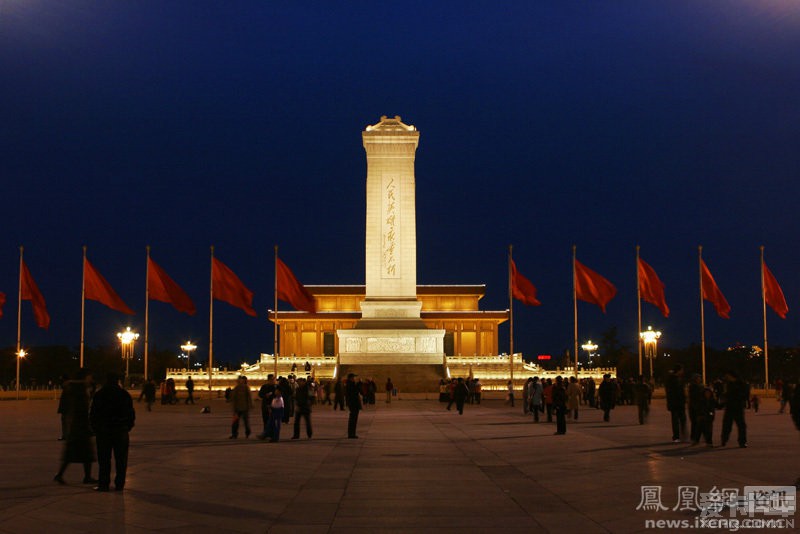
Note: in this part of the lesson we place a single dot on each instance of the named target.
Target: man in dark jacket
(676, 402)
(735, 400)
(353, 397)
(460, 394)
(112, 417)
(607, 393)
(302, 406)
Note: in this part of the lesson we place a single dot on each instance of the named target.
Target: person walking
(302, 406)
(78, 446)
(607, 393)
(676, 402)
(112, 418)
(734, 400)
(189, 391)
(560, 405)
(242, 402)
(460, 393)
(353, 396)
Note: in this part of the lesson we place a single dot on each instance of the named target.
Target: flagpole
(764, 311)
(275, 326)
(511, 315)
(19, 317)
(575, 307)
(211, 326)
(639, 309)
(83, 303)
(146, 312)
(702, 315)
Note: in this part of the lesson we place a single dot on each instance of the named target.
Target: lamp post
(589, 347)
(21, 354)
(650, 340)
(188, 348)
(126, 340)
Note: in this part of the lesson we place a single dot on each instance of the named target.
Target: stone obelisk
(390, 330)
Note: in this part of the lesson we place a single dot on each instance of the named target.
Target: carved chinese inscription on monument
(390, 344)
(391, 223)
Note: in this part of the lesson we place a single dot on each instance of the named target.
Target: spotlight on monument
(126, 341)
(20, 354)
(188, 348)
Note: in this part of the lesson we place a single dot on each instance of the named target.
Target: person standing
(526, 396)
(77, 433)
(242, 402)
(276, 409)
(735, 400)
(477, 389)
(574, 393)
(265, 393)
(302, 406)
(339, 394)
(189, 391)
(547, 395)
(537, 398)
(696, 407)
(510, 396)
(149, 393)
(112, 417)
(560, 405)
(353, 396)
(641, 396)
(389, 390)
(607, 393)
(676, 402)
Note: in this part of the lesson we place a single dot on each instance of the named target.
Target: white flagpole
(702, 315)
(764, 312)
(146, 313)
(19, 319)
(211, 327)
(575, 307)
(639, 309)
(83, 303)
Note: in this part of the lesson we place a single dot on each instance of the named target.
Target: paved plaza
(416, 468)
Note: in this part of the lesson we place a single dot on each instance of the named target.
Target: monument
(390, 326)
(391, 331)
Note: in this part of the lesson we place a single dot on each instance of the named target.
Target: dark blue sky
(238, 124)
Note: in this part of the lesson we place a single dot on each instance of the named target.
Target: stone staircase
(420, 378)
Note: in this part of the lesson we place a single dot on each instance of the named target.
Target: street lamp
(650, 339)
(589, 347)
(21, 354)
(188, 348)
(126, 340)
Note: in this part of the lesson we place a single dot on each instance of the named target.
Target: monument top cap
(391, 125)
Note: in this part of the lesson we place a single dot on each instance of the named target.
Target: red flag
(31, 292)
(228, 288)
(592, 287)
(292, 291)
(164, 289)
(522, 289)
(652, 288)
(2, 301)
(712, 293)
(97, 288)
(773, 294)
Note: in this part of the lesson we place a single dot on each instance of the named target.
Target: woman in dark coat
(78, 447)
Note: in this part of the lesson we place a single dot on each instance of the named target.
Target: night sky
(182, 125)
